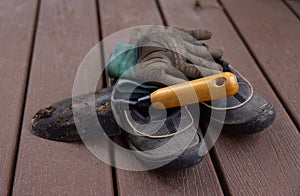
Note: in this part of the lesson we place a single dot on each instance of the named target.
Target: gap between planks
(105, 84)
(259, 65)
(215, 162)
(291, 8)
(21, 117)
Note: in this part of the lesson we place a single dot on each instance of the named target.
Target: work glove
(163, 55)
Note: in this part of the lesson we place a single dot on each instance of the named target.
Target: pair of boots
(165, 139)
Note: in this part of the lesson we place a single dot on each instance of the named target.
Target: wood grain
(199, 180)
(66, 32)
(17, 19)
(271, 30)
(263, 163)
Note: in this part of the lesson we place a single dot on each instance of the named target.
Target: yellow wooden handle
(204, 89)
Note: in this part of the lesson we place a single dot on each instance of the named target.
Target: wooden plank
(17, 19)
(199, 180)
(271, 30)
(66, 32)
(127, 14)
(295, 6)
(264, 163)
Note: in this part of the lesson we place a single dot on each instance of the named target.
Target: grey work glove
(162, 55)
(168, 55)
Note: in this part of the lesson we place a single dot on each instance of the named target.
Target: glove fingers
(158, 71)
(209, 64)
(167, 77)
(201, 71)
(197, 34)
(190, 70)
(204, 51)
(215, 52)
(197, 50)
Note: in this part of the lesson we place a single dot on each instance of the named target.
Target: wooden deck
(42, 43)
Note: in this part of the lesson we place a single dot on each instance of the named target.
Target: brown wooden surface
(127, 14)
(16, 26)
(272, 30)
(66, 31)
(202, 179)
(263, 163)
(294, 5)
(260, 38)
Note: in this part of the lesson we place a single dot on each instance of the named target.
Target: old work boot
(165, 140)
(56, 122)
(246, 111)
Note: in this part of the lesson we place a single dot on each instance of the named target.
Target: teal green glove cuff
(122, 61)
